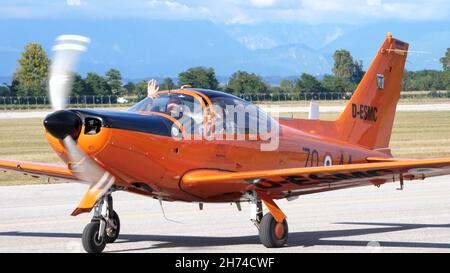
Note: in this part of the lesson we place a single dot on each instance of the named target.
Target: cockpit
(206, 112)
(174, 105)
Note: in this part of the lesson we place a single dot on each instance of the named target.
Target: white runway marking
(23, 115)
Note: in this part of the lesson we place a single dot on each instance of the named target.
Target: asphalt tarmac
(36, 218)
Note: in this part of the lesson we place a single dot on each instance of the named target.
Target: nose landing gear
(104, 227)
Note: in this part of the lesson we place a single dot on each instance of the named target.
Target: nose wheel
(92, 241)
(104, 227)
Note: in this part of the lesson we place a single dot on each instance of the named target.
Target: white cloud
(73, 2)
(373, 2)
(238, 18)
(172, 5)
(354, 11)
(262, 3)
(336, 33)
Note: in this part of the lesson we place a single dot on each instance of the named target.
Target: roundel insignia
(328, 161)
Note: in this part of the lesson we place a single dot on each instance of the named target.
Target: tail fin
(369, 115)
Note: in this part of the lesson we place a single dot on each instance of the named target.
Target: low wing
(63, 173)
(296, 181)
(39, 169)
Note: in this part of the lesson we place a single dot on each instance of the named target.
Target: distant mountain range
(140, 48)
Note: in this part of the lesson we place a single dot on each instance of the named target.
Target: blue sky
(234, 11)
(290, 31)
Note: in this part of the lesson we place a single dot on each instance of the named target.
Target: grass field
(23, 139)
(415, 135)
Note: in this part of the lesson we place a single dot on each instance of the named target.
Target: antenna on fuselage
(164, 213)
(314, 112)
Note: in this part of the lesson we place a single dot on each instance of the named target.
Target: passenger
(223, 122)
(174, 107)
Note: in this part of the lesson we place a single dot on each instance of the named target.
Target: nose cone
(61, 124)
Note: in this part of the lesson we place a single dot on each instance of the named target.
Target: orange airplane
(166, 149)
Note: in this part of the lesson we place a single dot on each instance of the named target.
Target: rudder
(368, 117)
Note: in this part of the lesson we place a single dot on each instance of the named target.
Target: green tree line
(31, 79)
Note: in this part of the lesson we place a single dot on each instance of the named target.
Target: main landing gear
(273, 227)
(104, 227)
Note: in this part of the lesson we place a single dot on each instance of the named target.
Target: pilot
(174, 107)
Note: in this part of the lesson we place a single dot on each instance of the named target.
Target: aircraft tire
(271, 233)
(90, 240)
(113, 234)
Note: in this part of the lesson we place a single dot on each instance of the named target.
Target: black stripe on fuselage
(131, 121)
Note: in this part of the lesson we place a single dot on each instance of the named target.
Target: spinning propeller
(66, 125)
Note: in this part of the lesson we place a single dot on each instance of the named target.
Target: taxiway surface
(36, 218)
